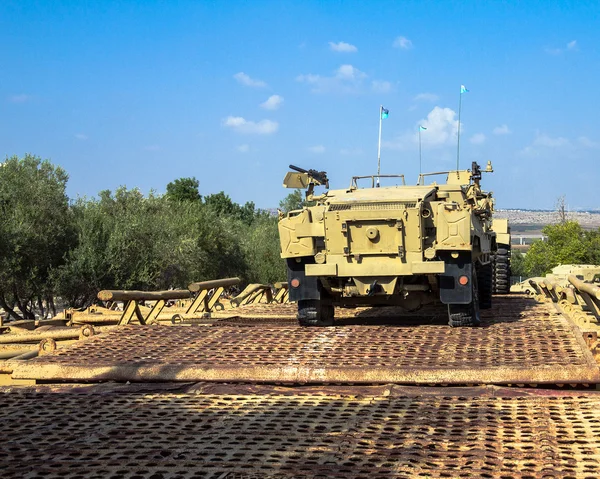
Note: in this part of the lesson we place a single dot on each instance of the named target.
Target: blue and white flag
(463, 89)
(384, 113)
(422, 128)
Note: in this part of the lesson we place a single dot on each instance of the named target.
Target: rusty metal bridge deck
(132, 432)
(519, 342)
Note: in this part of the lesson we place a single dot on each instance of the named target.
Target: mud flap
(451, 291)
(308, 287)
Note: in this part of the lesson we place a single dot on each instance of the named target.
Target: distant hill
(587, 219)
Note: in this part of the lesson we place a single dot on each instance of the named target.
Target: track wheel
(485, 276)
(502, 273)
(313, 312)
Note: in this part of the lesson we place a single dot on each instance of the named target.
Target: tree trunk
(11, 312)
(51, 305)
(41, 306)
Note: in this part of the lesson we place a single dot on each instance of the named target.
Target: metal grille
(164, 435)
(371, 206)
(519, 342)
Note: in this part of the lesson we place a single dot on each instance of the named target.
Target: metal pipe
(26, 355)
(121, 295)
(67, 333)
(250, 289)
(215, 283)
(33, 337)
(14, 353)
(590, 289)
(96, 318)
(4, 348)
(306, 374)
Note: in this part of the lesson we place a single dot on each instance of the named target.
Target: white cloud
(318, 149)
(441, 126)
(501, 130)
(241, 125)
(571, 46)
(81, 136)
(244, 79)
(550, 142)
(21, 98)
(243, 148)
(403, 43)
(351, 151)
(586, 142)
(380, 86)
(544, 145)
(426, 97)
(478, 139)
(342, 47)
(346, 79)
(442, 129)
(348, 72)
(272, 103)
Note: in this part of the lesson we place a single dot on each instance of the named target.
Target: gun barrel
(297, 168)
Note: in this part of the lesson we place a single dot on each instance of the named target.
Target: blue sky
(141, 93)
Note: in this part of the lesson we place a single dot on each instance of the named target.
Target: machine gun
(320, 177)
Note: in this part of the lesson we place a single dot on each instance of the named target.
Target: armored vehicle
(396, 245)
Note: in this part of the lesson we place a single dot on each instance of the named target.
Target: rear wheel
(460, 315)
(313, 312)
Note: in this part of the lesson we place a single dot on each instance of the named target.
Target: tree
(36, 231)
(263, 252)
(567, 243)
(126, 240)
(593, 246)
(561, 209)
(294, 201)
(184, 189)
(221, 203)
(517, 264)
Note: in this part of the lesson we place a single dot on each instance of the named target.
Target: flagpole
(420, 158)
(458, 142)
(379, 145)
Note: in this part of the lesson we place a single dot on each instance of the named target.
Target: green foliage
(223, 205)
(294, 201)
(128, 241)
(567, 243)
(262, 251)
(122, 239)
(35, 231)
(184, 189)
(517, 264)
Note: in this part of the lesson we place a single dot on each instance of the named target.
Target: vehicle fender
(309, 286)
(451, 291)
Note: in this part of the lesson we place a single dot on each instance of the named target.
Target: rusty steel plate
(523, 343)
(162, 434)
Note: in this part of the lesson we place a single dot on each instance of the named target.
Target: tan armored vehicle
(395, 245)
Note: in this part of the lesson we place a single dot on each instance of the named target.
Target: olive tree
(35, 232)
